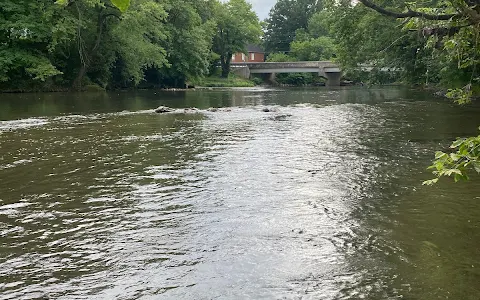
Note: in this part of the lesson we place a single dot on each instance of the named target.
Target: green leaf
(430, 182)
(457, 177)
(476, 166)
(439, 154)
(62, 2)
(122, 5)
(455, 157)
(450, 172)
(457, 143)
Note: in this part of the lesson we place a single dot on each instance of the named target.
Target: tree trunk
(77, 83)
(225, 61)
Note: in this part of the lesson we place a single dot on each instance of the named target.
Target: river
(101, 198)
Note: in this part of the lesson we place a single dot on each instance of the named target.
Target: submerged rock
(165, 109)
(191, 110)
(279, 117)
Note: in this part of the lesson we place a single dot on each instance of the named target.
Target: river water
(100, 198)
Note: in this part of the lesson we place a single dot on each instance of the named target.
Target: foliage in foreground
(464, 159)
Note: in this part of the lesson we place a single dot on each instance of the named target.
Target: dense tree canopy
(118, 43)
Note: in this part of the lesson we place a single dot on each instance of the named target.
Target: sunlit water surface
(101, 198)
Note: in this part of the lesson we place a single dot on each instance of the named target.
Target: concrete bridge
(326, 69)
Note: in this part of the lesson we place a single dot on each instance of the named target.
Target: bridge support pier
(243, 72)
(272, 77)
(333, 79)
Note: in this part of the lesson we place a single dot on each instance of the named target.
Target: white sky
(261, 7)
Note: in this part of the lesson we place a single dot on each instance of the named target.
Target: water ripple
(317, 200)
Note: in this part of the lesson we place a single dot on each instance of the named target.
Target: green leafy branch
(122, 5)
(461, 96)
(457, 164)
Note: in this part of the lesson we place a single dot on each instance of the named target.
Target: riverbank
(208, 82)
(231, 81)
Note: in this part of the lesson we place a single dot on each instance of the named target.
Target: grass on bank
(231, 81)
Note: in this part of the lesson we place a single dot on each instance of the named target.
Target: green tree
(312, 49)
(285, 18)
(280, 57)
(138, 42)
(122, 5)
(188, 45)
(237, 26)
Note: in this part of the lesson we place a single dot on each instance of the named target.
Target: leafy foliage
(122, 5)
(26, 42)
(457, 164)
(280, 57)
(313, 49)
(138, 41)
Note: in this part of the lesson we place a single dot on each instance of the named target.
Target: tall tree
(138, 42)
(237, 26)
(94, 24)
(314, 43)
(188, 44)
(285, 18)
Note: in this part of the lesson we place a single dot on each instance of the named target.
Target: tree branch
(112, 15)
(409, 13)
(441, 31)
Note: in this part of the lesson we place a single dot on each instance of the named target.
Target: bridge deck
(290, 67)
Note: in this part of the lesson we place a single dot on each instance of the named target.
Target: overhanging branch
(409, 13)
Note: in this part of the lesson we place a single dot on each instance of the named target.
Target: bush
(257, 80)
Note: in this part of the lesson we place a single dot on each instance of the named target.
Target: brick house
(255, 54)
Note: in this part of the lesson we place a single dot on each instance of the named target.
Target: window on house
(233, 57)
(243, 56)
(253, 56)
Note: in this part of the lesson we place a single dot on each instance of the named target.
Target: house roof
(254, 48)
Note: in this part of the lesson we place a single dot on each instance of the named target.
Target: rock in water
(191, 110)
(280, 117)
(163, 109)
(273, 109)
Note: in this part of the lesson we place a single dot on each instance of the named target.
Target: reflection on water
(102, 199)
